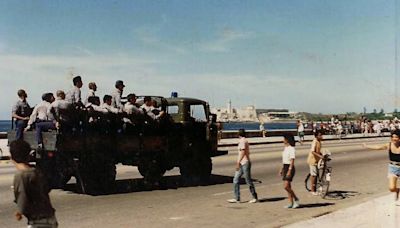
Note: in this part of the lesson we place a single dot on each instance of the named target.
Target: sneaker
(314, 193)
(233, 201)
(288, 206)
(296, 204)
(253, 201)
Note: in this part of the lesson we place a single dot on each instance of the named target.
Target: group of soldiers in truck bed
(46, 114)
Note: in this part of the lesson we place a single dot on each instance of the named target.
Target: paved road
(358, 175)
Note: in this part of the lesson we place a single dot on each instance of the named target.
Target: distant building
(247, 114)
(388, 114)
(231, 114)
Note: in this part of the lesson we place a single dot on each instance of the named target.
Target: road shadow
(313, 205)
(340, 194)
(242, 181)
(166, 183)
(274, 199)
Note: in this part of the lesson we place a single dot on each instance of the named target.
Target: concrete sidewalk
(379, 212)
(307, 138)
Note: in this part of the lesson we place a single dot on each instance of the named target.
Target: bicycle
(323, 178)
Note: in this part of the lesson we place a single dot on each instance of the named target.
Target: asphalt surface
(358, 175)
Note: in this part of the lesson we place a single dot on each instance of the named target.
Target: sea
(5, 125)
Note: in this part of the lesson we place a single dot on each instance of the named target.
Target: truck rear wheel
(96, 175)
(152, 170)
(196, 171)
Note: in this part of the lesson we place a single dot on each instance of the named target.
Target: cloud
(148, 36)
(82, 50)
(225, 39)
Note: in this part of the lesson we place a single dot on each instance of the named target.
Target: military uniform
(22, 109)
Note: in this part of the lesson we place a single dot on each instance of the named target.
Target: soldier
(150, 110)
(21, 112)
(92, 91)
(74, 95)
(43, 117)
(107, 107)
(60, 102)
(131, 107)
(117, 94)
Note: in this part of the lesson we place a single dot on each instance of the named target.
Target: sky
(317, 56)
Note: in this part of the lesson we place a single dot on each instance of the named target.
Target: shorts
(301, 134)
(394, 171)
(285, 171)
(313, 170)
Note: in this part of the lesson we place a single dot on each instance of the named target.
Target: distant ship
(277, 117)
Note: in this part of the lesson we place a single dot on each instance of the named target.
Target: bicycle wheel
(307, 183)
(323, 183)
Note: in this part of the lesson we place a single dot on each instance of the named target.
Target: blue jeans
(20, 125)
(246, 170)
(43, 126)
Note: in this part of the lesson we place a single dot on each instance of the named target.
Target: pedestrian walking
(31, 190)
(262, 129)
(243, 167)
(288, 169)
(393, 147)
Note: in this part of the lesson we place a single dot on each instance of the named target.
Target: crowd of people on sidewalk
(342, 127)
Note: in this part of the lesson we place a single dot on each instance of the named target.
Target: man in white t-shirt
(243, 167)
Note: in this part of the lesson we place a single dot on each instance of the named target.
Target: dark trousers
(20, 125)
(43, 126)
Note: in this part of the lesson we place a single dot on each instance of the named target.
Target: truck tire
(152, 170)
(96, 175)
(196, 171)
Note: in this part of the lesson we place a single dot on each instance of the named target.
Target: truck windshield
(198, 113)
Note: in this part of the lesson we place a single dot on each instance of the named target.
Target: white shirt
(73, 96)
(130, 108)
(109, 108)
(116, 99)
(59, 104)
(41, 112)
(96, 108)
(91, 93)
(148, 110)
(300, 128)
(243, 146)
(288, 153)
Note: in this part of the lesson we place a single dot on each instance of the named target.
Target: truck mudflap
(220, 153)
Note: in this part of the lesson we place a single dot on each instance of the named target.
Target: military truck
(89, 144)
